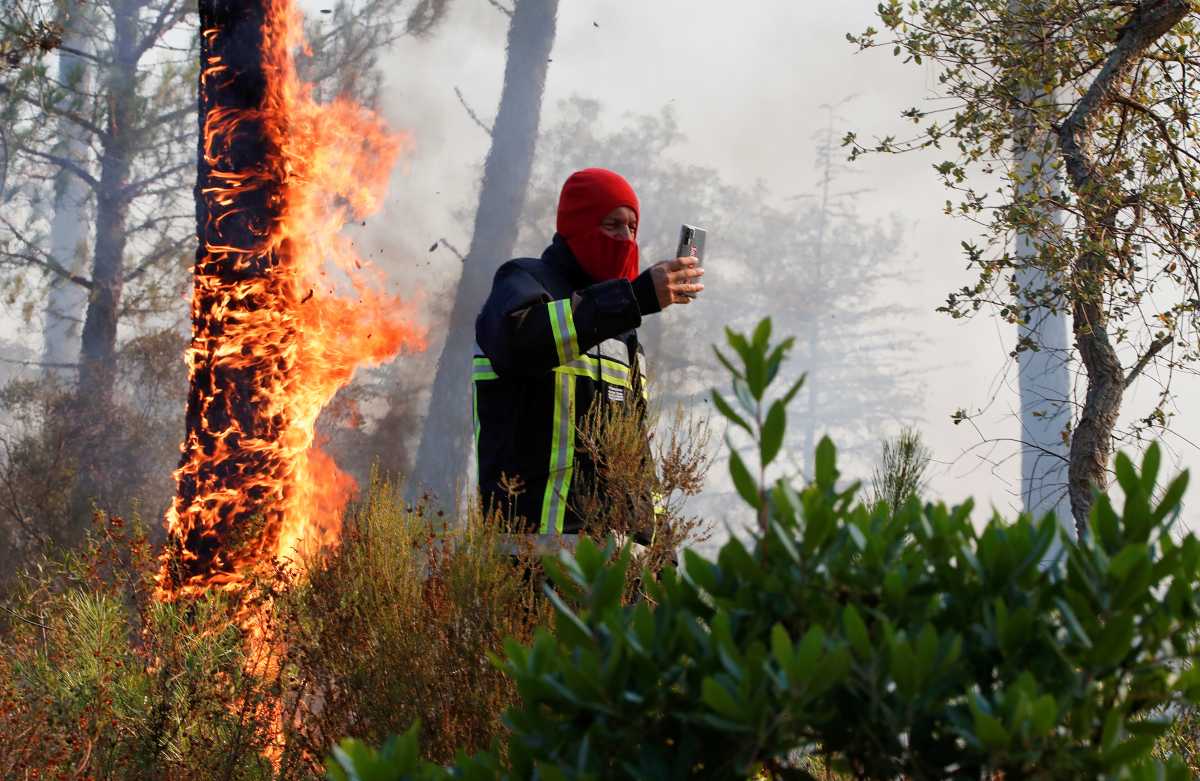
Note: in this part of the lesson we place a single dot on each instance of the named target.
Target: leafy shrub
(887, 642)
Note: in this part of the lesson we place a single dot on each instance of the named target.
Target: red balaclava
(587, 198)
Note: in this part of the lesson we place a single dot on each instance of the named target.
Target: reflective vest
(539, 366)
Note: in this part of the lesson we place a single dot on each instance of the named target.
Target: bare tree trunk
(1043, 368)
(444, 450)
(815, 337)
(1091, 443)
(65, 300)
(98, 353)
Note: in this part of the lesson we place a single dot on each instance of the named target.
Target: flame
(282, 320)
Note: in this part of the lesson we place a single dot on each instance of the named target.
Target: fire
(283, 309)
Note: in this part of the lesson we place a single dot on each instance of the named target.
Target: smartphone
(691, 243)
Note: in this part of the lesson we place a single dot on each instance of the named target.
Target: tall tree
(1043, 348)
(444, 448)
(1125, 271)
(70, 224)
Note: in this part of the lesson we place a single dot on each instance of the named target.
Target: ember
(279, 176)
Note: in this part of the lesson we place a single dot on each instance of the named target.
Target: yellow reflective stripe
(482, 369)
(475, 413)
(615, 373)
(562, 456)
(562, 323)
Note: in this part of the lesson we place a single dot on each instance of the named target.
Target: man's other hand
(676, 281)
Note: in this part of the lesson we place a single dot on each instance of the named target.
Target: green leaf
(1044, 716)
(792, 391)
(1171, 497)
(726, 410)
(1124, 561)
(746, 485)
(856, 631)
(781, 645)
(990, 731)
(1151, 460)
(1115, 640)
(567, 617)
(717, 697)
(1073, 626)
(745, 398)
(762, 335)
(729, 367)
(772, 433)
(826, 462)
(810, 651)
(775, 359)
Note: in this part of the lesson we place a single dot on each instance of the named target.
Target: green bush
(883, 642)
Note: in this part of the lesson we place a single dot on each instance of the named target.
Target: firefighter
(556, 335)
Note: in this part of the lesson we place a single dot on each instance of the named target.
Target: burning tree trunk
(443, 454)
(283, 311)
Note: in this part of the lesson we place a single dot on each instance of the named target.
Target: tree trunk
(98, 353)
(815, 337)
(232, 251)
(1043, 372)
(65, 300)
(444, 451)
(1091, 443)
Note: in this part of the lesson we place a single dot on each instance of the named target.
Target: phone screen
(691, 242)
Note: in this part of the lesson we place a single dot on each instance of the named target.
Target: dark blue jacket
(540, 365)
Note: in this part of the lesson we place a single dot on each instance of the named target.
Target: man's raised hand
(676, 281)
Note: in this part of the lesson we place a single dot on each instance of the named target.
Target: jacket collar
(559, 255)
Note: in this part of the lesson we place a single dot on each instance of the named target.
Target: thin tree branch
(501, 8)
(1155, 348)
(66, 165)
(20, 617)
(44, 261)
(457, 252)
(130, 190)
(471, 112)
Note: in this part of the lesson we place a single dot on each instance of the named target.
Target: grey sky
(746, 85)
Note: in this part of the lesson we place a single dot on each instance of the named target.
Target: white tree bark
(69, 225)
(1043, 373)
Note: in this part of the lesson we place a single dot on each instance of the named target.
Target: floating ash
(283, 310)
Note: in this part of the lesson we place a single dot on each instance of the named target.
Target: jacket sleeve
(523, 330)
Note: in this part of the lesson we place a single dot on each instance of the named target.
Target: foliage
(396, 626)
(38, 463)
(1096, 101)
(99, 680)
(636, 486)
(900, 473)
(892, 642)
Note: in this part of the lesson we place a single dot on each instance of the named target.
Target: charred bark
(1091, 443)
(444, 450)
(232, 226)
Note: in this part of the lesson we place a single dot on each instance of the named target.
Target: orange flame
(306, 312)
